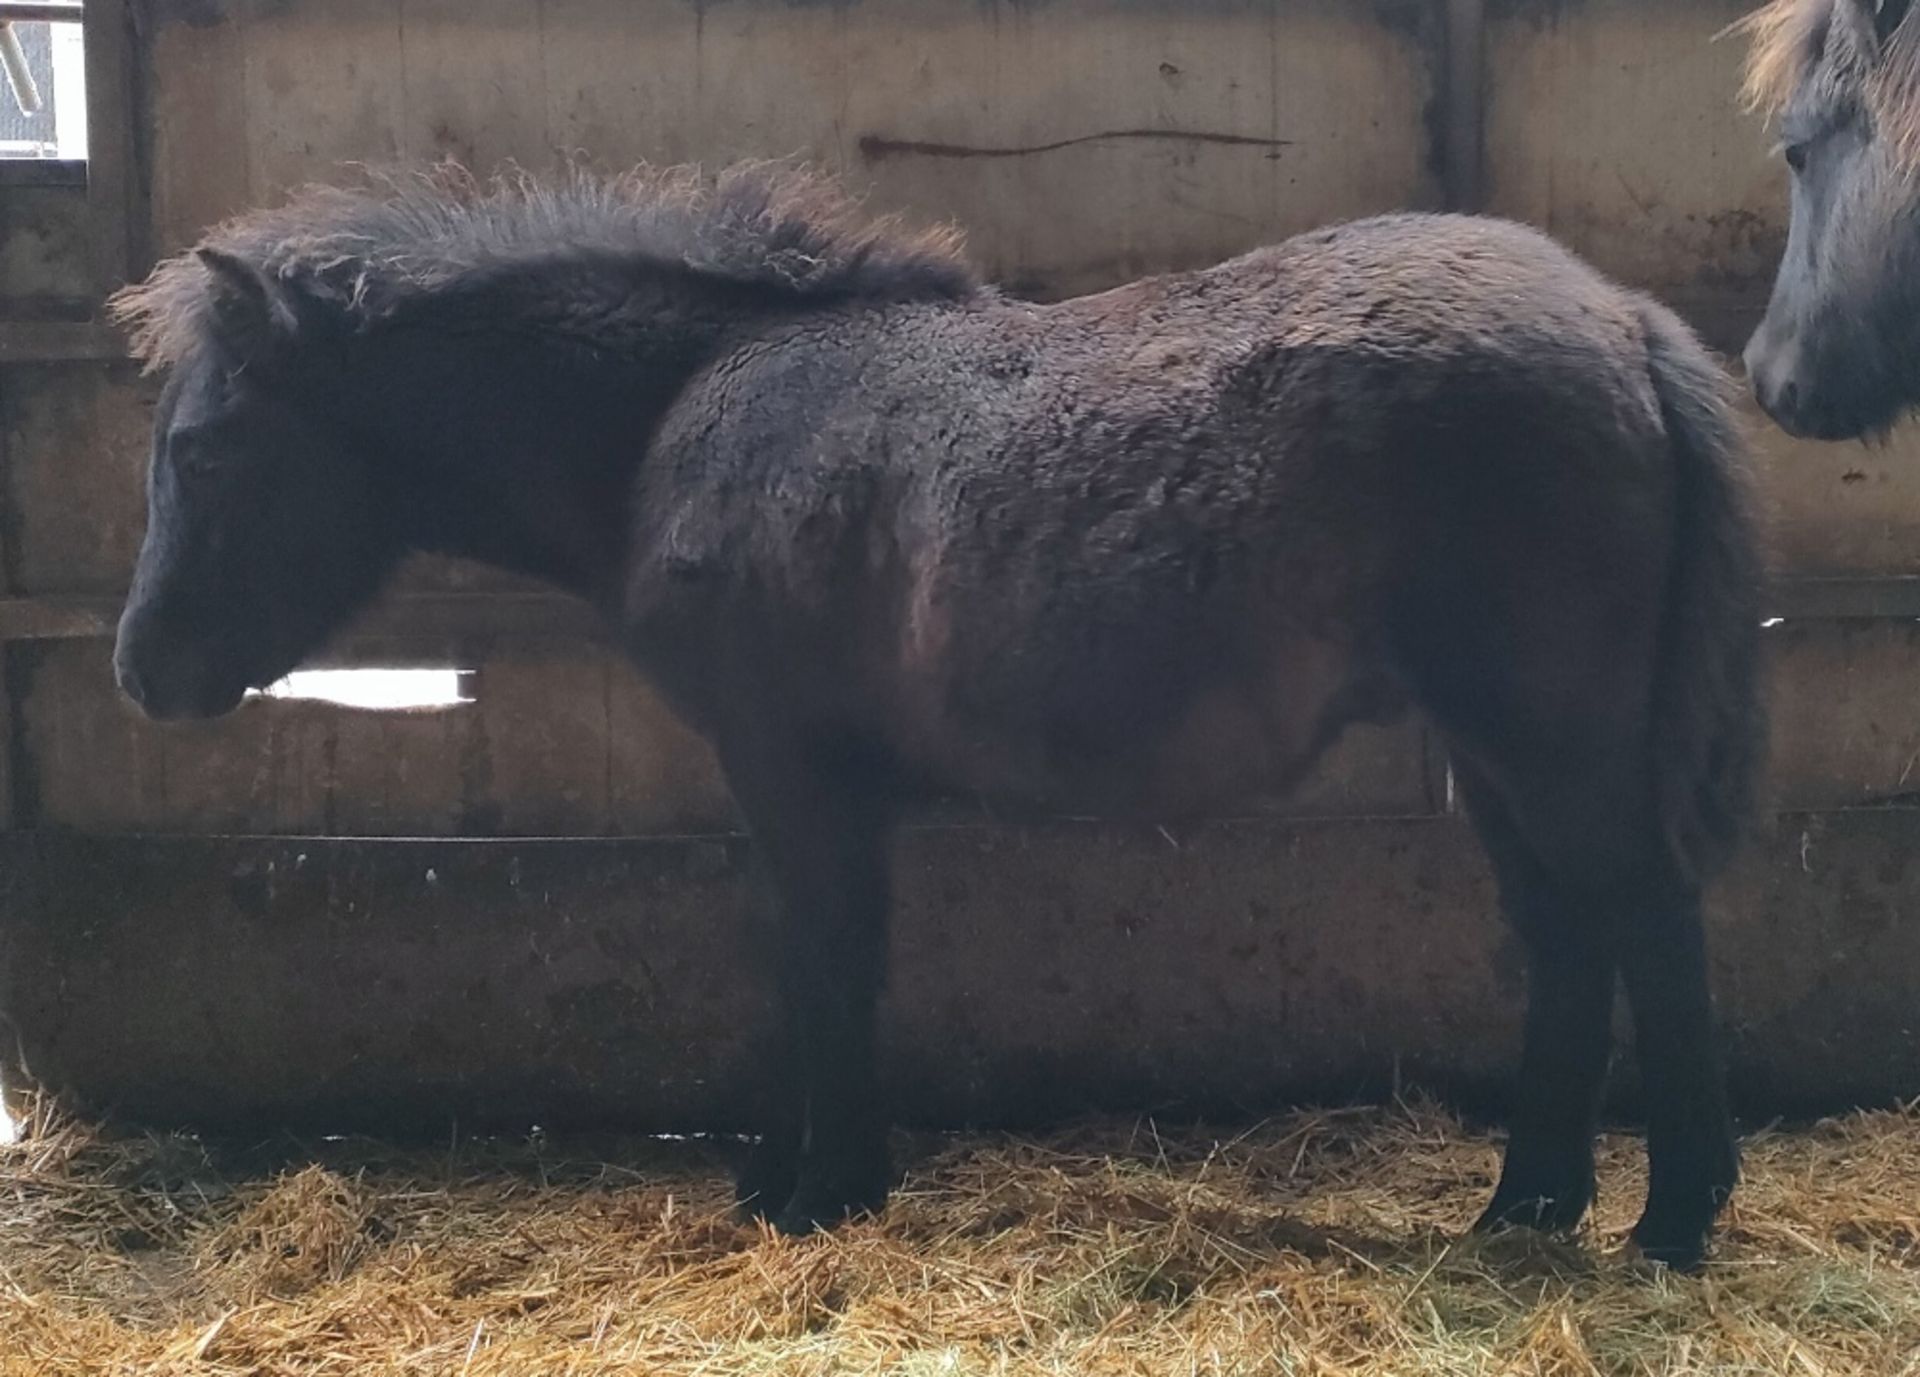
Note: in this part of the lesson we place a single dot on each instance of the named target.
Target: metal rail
(13, 59)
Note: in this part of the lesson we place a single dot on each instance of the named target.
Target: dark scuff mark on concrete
(875, 147)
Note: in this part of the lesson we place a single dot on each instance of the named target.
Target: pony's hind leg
(1546, 1180)
(1692, 1159)
(820, 838)
(1585, 814)
(766, 1180)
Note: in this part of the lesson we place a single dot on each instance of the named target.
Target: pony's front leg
(821, 838)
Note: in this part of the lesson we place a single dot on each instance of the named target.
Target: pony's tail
(1709, 730)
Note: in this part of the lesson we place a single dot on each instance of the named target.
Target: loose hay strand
(1323, 1243)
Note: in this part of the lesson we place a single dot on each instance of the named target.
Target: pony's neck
(514, 413)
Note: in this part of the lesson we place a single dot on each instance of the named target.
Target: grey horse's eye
(1796, 155)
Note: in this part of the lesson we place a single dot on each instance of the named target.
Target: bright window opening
(43, 70)
(380, 690)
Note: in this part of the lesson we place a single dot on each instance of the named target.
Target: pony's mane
(370, 248)
(1786, 38)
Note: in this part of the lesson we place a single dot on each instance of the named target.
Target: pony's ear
(253, 313)
(1887, 15)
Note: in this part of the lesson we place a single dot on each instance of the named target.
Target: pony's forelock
(1784, 46)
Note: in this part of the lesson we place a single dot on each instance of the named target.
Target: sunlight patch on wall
(378, 690)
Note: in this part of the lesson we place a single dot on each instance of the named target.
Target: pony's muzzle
(1773, 373)
(168, 681)
(1795, 394)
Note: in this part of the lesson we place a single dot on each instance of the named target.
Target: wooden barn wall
(1036, 973)
(1079, 143)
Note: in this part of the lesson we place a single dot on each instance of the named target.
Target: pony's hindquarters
(1585, 633)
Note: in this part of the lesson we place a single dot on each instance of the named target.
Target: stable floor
(1316, 1243)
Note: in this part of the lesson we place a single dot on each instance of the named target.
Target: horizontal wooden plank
(561, 739)
(423, 617)
(1036, 973)
(565, 739)
(57, 618)
(91, 761)
(571, 744)
(57, 341)
(434, 617)
(41, 11)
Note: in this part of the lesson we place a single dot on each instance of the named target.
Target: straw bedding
(1322, 1243)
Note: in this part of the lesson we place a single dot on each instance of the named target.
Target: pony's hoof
(824, 1202)
(1545, 1211)
(1680, 1245)
(806, 1213)
(1676, 1224)
(765, 1183)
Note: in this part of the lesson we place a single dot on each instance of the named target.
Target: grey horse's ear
(1887, 15)
(252, 312)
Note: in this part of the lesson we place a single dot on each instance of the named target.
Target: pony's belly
(1223, 747)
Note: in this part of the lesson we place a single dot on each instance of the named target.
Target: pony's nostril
(131, 684)
(1788, 399)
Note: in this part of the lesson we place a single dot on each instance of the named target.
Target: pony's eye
(1796, 155)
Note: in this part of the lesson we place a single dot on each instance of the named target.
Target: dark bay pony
(1838, 354)
(877, 530)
